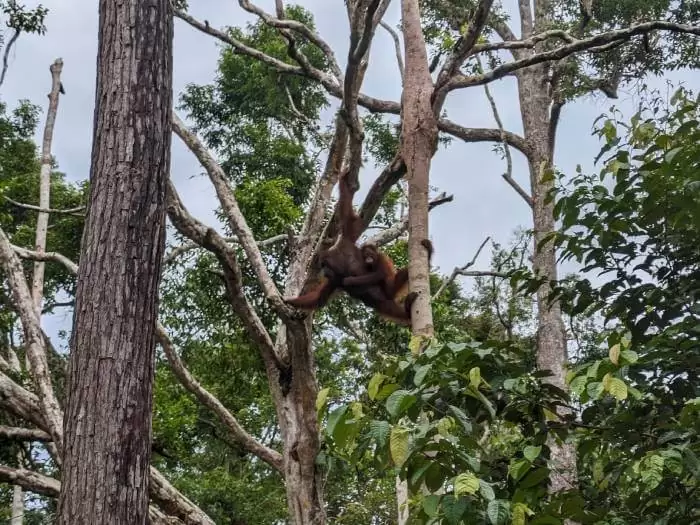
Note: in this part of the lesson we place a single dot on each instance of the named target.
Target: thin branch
(395, 231)
(586, 44)
(243, 438)
(397, 46)
(234, 217)
(508, 175)
(459, 270)
(24, 434)
(68, 211)
(46, 257)
(6, 55)
(191, 245)
(297, 27)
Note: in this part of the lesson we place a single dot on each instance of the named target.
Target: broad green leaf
(614, 353)
(420, 374)
(498, 511)
(398, 445)
(335, 417)
(578, 385)
(374, 384)
(386, 390)
(475, 377)
(519, 513)
(535, 477)
(618, 389)
(379, 431)
(594, 389)
(629, 356)
(486, 490)
(466, 483)
(431, 504)
(321, 398)
(453, 508)
(518, 468)
(399, 401)
(532, 453)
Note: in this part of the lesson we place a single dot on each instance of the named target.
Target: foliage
(636, 226)
(22, 19)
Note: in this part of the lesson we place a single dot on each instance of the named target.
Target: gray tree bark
(108, 415)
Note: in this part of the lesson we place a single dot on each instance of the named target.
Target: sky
(484, 205)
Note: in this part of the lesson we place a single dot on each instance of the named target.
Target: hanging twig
(508, 175)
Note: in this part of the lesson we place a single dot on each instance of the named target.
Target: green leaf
(475, 377)
(618, 389)
(594, 389)
(535, 477)
(519, 513)
(461, 417)
(532, 453)
(431, 504)
(386, 390)
(321, 399)
(453, 509)
(374, 384)
(578, 385)
(629, 356)
(420, 374)
(486, 490)
(398, 445)
(335, 417)
(614, 353)
(399, 401)
(466, 483)
(497, 511)
(518, 468)
(379, 431)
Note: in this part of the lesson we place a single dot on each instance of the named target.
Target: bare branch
(460, 270)
(36, 352)
(68, 211)
(174, 503)
(235, 218)
(508, 175)
(47, 256)
(297, 27)
(6, 56)
(586, 44)
(397, 46)
(30, 481)
(233, 279)
(395, 231)
(20, 402)
(484, 135)
(24, 434)
(42, 220)
(243, 438)
(177, 251)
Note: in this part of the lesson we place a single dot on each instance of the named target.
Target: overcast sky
(484, 204)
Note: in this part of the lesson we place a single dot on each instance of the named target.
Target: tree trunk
(551, 341)
(296, 411)
(108, 415)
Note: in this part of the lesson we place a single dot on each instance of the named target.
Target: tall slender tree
(108, 416)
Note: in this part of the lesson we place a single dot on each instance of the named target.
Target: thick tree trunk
(108, 415)
(295, 403)
(551, 339)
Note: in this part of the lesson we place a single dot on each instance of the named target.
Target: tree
(108, 408)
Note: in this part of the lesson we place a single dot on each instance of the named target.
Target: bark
(535, 103)
(42, 221)
(418, 141)
(108, 413)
